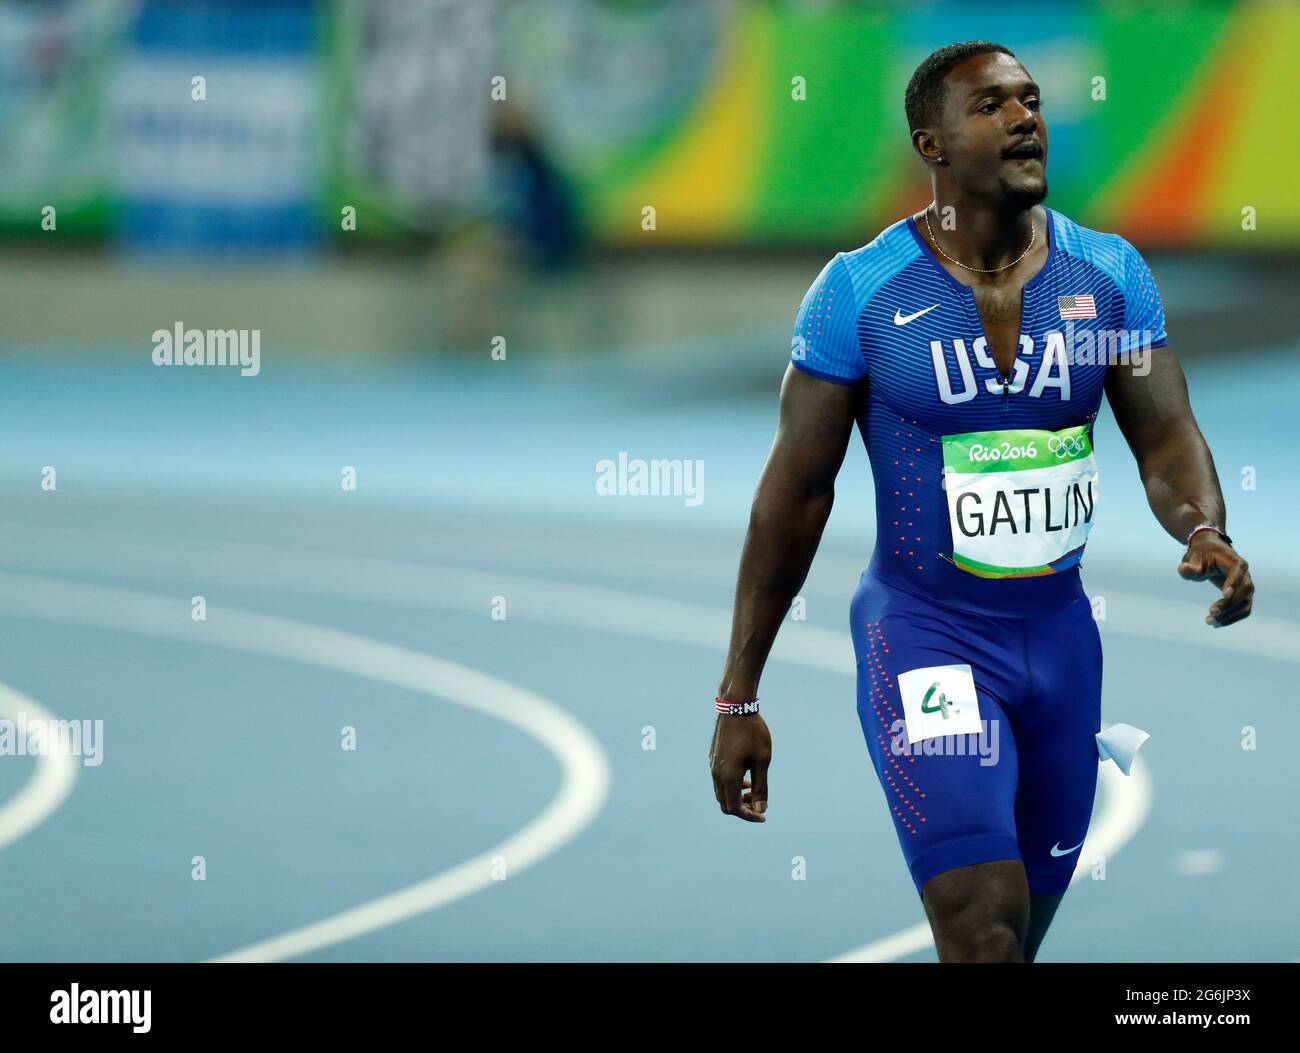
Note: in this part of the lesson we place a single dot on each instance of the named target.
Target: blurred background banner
(742, 123)
(55, 64)
(213, 119)
(407, 140)
(785, 122)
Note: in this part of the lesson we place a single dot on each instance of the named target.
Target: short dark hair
(924, 97)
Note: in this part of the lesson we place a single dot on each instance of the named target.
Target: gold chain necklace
(981, 270)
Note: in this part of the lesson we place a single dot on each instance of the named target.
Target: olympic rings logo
(1069, 446)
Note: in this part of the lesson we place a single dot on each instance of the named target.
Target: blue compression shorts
(981, 730)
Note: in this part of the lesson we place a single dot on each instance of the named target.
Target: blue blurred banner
(213, 119)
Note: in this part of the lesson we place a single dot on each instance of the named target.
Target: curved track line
(586, 774)
(1126, 803)
(50, 783)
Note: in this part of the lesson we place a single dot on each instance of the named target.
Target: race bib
(1020, 502)
(939, 700)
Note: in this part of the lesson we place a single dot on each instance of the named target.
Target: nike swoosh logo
(1058, 851)
(899, 319)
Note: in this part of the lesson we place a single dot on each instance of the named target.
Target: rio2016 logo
(1002, 452)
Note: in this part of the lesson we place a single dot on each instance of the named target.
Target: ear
(929, 146)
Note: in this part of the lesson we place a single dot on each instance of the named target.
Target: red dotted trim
(909, 815)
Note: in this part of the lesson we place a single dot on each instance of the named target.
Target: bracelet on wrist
(1208, 526)
(735, 707)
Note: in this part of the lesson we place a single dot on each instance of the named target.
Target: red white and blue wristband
(1208, 526)
(731, 708)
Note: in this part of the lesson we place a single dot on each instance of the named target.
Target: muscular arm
(790, 509)
(1173, 459)
(1182, 487)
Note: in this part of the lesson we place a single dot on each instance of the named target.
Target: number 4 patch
(939, 700)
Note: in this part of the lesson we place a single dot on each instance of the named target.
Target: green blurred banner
(772, 123)
(54, 74)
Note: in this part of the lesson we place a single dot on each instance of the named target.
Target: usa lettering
(1053, 372)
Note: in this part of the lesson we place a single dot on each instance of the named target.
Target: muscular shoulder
(1121, 263)
(1112, 254)
(826, 342)
(875, 263)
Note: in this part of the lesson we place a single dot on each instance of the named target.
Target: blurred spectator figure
(535, 202)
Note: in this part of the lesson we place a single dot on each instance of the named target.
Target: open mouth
(1024, 152)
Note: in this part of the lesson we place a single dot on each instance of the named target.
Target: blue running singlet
(978, 660)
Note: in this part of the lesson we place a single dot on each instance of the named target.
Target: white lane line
(150, 557)
(51, 782)
(586, 775)
(1126, 803)
(431, 586)
(711, 561)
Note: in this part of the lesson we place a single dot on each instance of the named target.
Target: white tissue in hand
(1120, 743)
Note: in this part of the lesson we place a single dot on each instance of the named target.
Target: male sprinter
(971, 343)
